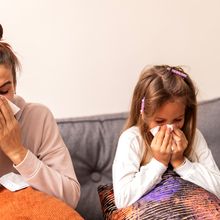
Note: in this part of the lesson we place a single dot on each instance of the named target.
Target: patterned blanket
(173, 198)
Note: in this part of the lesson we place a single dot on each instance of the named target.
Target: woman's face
(7, 87)
(172, 112)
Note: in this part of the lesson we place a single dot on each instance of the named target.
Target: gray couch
(92, 143)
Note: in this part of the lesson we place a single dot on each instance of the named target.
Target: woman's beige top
(47, 166)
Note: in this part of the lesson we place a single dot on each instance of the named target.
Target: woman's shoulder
(31, 109)
(37, 107)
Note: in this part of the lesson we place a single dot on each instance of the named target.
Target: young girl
(164, 96)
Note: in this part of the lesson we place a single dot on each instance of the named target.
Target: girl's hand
(179, 145)
(161, 145)
(10, 135)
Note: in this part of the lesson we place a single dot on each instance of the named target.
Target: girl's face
(172, 112)
(7, 87)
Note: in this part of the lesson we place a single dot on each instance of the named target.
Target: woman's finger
(2, 120)
(6, 110)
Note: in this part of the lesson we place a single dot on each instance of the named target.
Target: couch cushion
(31, 204)
(209, 124)
(92, 143)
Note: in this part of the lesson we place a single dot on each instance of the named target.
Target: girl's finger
(178, 132)
(166, 140)
(160, 135)
(176, 138)
(174, 146)
(170, 144)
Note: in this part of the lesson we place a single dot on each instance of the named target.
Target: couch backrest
(209, 124)
(92, 143)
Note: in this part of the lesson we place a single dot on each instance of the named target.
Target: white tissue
(170, 126)
(14, 107)
(13, 182)
(156, 129)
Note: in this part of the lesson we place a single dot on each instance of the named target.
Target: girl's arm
(202, 169)
(130, 180)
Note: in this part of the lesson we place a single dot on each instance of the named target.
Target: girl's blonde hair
(157, 85)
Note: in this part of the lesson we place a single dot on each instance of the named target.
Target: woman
(30, 142)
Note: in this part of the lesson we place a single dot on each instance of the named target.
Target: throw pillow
(172, 198)
(32, 204)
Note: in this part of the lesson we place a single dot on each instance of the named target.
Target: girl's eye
(3, 92)
(159, 122)
(178, 120)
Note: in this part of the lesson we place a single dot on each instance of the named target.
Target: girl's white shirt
(131, 180)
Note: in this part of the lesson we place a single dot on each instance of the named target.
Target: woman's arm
(47, 165)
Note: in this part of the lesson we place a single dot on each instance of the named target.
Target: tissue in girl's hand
(170, 126)
(14, 107)
(156, 129)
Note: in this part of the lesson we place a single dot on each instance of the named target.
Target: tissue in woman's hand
(156, 129)
(14, 107)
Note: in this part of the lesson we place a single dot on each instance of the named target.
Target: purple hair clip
(177, 72)
(142, 105)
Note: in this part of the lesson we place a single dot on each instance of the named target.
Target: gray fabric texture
(92, 143)
(209, 124)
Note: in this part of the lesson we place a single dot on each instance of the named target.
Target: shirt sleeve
(202, 169)
(130, 180)
(51, 170)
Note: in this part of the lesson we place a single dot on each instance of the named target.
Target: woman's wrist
(18, 156)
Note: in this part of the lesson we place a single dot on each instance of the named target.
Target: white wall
(83, 57)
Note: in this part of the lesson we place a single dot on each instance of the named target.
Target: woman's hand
(161, 145)
(179, 145)
(10, 134)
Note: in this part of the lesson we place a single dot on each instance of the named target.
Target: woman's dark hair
(1, 31)
(8, 57)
